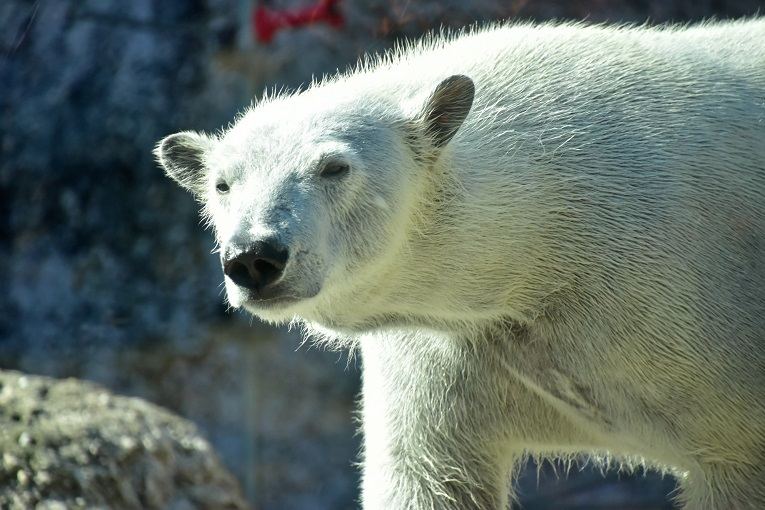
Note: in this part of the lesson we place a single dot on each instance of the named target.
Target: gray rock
(68, 444)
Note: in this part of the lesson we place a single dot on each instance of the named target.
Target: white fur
(579, 270)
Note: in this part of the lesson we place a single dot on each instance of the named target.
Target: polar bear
(544, 239)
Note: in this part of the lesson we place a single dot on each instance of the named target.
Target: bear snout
(257, 266)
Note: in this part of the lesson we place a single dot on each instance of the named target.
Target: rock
(69, 444)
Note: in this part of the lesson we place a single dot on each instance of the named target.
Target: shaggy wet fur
(544, 240)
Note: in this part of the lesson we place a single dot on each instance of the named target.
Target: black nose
(259, 265)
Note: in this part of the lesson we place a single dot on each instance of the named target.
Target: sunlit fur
(579, 271)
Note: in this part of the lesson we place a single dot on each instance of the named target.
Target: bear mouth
(268, 297)
(272, 297)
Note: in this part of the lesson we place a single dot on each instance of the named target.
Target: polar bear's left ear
(182, 157)
(447, 107)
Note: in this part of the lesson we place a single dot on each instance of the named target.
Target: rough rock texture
(105, 272)
(94, 248)
(70, 444)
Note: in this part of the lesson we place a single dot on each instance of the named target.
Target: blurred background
(106, 272)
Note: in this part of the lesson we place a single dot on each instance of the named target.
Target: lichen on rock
(72, 444)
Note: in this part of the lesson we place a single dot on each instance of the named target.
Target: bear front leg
(434, 418)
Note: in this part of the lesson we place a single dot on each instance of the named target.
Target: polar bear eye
(221, 187)
(334, 169)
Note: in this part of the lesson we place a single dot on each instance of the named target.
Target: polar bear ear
(182, 157)
(447, 107)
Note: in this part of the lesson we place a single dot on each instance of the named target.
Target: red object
(268, 22)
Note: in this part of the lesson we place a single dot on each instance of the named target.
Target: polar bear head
(311, 196)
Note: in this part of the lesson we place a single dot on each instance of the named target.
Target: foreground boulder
(71, 444)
